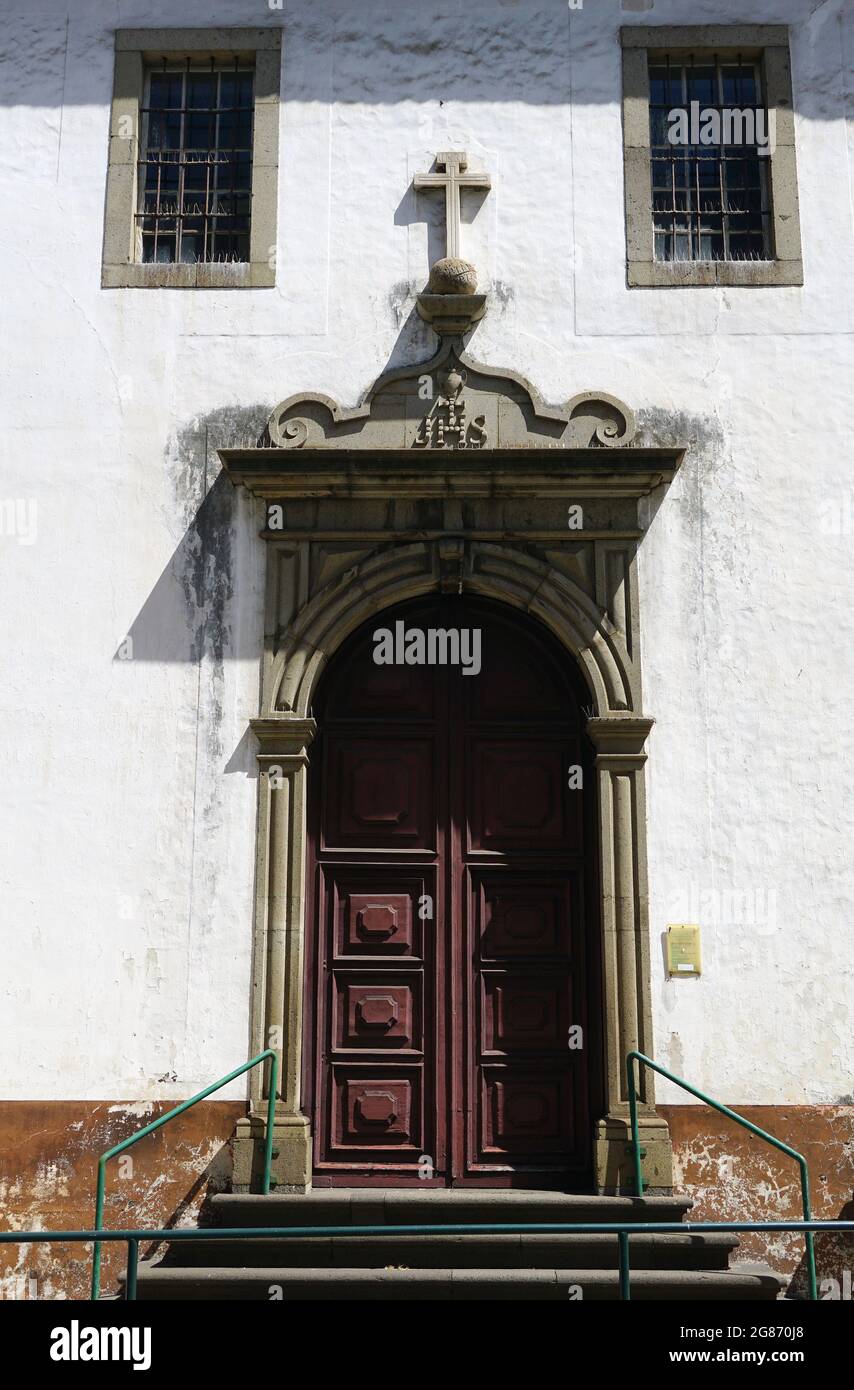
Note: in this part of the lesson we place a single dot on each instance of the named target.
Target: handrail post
(810, 1238)
(99, 1224)
(271, 1115)
(625, 1278)
(633, 1113)
(133, 1262)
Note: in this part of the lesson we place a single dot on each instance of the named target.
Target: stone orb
(452, 276)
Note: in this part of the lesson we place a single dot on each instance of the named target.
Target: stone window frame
(767, 44)
(134, 48)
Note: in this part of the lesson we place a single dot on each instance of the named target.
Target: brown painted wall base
(49, 1151)
(733, 1176)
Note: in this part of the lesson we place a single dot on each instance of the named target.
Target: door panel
(527, 915)
(516, 795)
(376, 977)
(450, 953)
(379, 792)
(377, 1013)
(377, 923)
(526, 1111)
(529, 982)
(376, 1115)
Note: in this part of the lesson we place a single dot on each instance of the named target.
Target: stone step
(290, 1284)
(407, 1207)
(560, 1251)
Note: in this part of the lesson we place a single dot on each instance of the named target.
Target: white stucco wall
(128, 807)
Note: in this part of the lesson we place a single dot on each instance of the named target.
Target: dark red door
(453, 1006)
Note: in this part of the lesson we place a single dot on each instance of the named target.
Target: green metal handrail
(640, 1057)
(622, 1229)
(164, 1119)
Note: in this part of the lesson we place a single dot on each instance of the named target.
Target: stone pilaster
(619, 740)
(279, 951)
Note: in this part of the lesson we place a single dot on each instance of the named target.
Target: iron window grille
(195, 167)
(710, 202)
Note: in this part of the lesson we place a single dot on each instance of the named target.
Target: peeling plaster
(48, 1173)
(732, 1175)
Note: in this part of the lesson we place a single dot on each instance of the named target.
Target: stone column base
(291, 1167)
(614, 1160)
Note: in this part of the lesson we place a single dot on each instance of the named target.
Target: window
(192, 183)
(195, 169)
(711, 186)
(709, 199)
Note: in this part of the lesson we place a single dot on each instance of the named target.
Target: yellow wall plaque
(683, 949)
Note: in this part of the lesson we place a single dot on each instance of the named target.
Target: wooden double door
(453, 1015)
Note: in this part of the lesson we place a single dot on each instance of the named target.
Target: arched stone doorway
(453, 1005)
(618, 734)
(542, 515)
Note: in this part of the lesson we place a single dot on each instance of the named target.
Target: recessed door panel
(379, 792)
(527, 1115)
(377, 1013)
(523, 1013)
(376, 1115)
(376, 910)
(525, 915)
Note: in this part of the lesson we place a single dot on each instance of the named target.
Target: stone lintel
(279, 474)
(703, 38)
(201, 44)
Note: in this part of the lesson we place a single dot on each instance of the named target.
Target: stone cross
(454, 163)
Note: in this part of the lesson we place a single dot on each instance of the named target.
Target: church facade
(427, 525)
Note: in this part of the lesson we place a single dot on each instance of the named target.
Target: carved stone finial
(451, 275)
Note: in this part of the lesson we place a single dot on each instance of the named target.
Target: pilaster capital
(619, 735)
(282, 735)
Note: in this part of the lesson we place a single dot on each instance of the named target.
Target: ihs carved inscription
(447, 424)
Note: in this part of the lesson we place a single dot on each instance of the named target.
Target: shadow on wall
(192, 613)
(414, 209)
(189, 614)
(509, 51)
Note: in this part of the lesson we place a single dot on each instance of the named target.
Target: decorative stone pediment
(450, 402)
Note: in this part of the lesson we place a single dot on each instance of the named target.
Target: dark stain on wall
(185, 616)
(206, 501)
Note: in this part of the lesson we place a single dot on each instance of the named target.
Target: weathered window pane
(709, 180)
(195, 172)
(701, 85)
